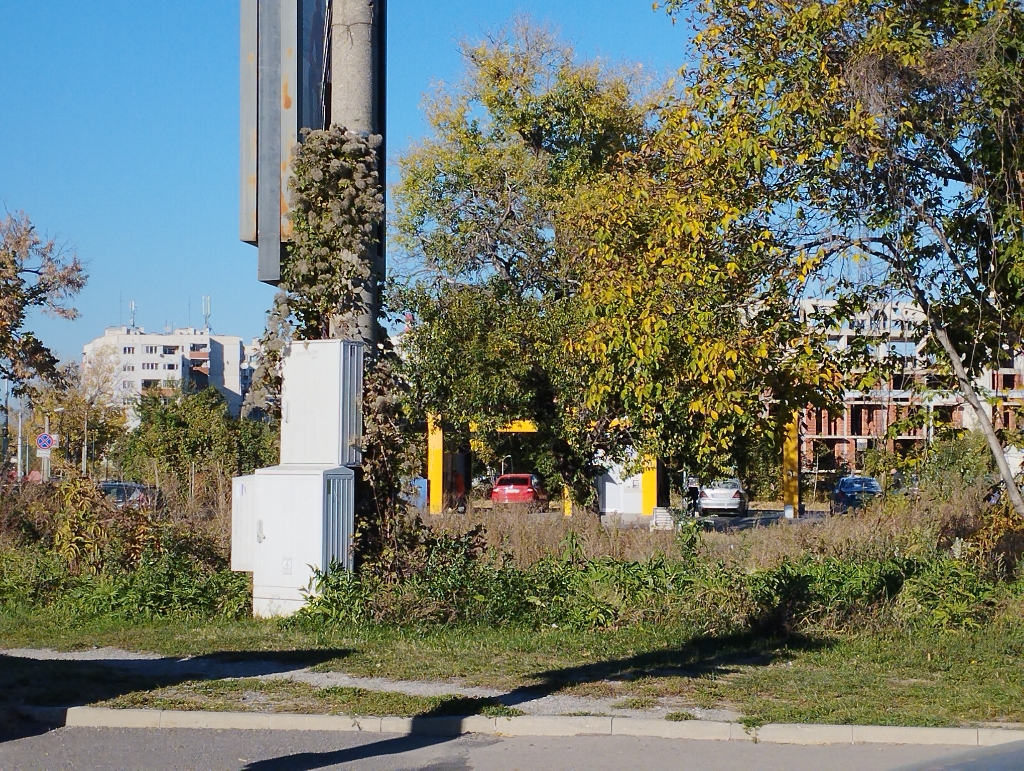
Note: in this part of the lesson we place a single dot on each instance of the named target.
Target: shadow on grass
(701, 657)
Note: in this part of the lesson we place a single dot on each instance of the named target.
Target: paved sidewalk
(85, 749)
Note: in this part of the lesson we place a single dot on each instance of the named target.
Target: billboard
(285, 85)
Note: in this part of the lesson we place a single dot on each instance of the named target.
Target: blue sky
(119, 135)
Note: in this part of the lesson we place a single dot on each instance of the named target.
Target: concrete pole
(358, 96)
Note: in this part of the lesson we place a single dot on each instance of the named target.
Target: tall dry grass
(897, 526)
(530, 536)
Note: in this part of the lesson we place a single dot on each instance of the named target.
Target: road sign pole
(45, 461)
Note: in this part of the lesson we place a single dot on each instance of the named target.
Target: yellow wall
(649, 488)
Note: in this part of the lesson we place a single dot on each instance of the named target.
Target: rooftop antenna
(206, 312)
(131, 317)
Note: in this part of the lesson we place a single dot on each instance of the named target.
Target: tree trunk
(971, 395)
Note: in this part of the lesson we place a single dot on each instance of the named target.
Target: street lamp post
(85, 440)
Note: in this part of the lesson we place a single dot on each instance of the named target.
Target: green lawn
(913, 678)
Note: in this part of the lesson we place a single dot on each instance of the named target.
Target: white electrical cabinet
(321, 403)
(300, 520)
(243, 522)
(289, 521)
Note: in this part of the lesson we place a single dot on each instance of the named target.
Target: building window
(170, 349)
(128, 384)
(128, 368)
(150, 365)
(151, 348)
(129, 350)
(150, 383)
(171, 366)
(198, 346)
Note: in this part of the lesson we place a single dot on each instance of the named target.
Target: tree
(891, 135)
(33, 274)
(190, 433)
(491, 285)
(92, 418)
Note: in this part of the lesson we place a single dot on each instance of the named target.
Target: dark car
(129, 494)
(854, 493)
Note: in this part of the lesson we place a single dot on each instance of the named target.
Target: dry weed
(531, 536)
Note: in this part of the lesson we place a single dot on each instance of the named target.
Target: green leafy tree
(192, 432)
(85, 408)
(891, 134)
(491, 284)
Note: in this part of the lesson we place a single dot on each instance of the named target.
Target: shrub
(948, 593)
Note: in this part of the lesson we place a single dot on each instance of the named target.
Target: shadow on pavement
(30, 682)
(307, 761)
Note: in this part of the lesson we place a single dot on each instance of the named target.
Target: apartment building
(830, 440)
(145, 361)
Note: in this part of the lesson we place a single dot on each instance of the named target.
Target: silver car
(726, 496)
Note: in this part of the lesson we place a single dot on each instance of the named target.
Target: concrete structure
(631, 498)
(358, 101)
(147, 361)
(839, 440)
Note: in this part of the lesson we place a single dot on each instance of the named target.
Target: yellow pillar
(649, 487)
(791, 467)
(566, 502)
(435, 465)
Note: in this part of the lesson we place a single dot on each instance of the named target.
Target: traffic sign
(43, 453)
(44, 441)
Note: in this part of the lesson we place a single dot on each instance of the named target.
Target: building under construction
(910, 405)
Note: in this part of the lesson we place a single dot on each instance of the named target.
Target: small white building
(146, 361)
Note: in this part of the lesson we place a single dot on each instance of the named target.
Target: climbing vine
(337, 209)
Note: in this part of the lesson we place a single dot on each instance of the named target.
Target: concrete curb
(537, 725)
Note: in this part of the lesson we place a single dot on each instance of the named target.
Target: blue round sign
(44, 441)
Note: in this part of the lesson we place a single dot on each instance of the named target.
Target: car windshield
(860, 485)
(513, 479)
(726, 484)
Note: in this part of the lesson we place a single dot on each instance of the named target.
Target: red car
(516, 488)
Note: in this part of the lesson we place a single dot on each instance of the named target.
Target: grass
(922, 677)
(255, 695)
(636, 702)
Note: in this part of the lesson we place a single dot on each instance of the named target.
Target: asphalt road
(759, 518)
(99, 748)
